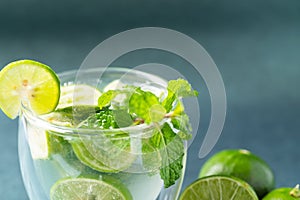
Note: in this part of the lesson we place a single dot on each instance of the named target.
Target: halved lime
(31, 83)
(78, 94)
(219, 187)
(88, 188)
(242, 164)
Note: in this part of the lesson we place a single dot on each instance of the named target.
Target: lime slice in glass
(219, 187)
(31, 83)
(39, 142)
(87, 188)
(79, 94)
(104, 154)
(43, 144)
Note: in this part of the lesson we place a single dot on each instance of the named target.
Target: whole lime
(242, 164)
(284, 194)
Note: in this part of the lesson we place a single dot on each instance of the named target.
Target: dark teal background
(255, 44)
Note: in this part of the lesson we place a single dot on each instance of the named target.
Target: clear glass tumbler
(50, 154)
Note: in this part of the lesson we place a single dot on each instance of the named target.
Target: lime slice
(104, 154)
(219, 187)
(43, 144)
(39, 143)
(80, 94)
(244, 165)
(86, 158)
(31, 83)
(87, 188)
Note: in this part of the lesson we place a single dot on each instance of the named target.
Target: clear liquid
(39, 175)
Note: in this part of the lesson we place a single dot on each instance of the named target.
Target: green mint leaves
(138, 106)
(178, 89)
(171, 150)
(146, 106)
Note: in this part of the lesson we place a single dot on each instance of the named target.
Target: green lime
(43, 144)
(89, 188)
(219, 187)
(241, 164)
(39, 142)
(104, 154)
(88, 159)
(30, 83)
(284, 194)
(78, 94)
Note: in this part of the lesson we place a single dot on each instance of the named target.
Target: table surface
(255, 45)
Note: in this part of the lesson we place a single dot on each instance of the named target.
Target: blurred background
(255, 44)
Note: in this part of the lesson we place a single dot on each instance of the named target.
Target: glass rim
(136, 130)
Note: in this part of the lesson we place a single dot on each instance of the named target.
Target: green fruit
(284, 194)
(79, 94)
(244, 165)
(219, 187)
(89, 188)
(30, 83)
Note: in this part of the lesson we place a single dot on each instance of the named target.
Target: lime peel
(295, 192)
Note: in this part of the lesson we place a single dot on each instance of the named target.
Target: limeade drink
(116, 134)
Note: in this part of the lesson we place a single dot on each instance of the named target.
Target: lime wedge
(31, 83)
(219, 187)
(43, 144)
(80, 94)
(87, 188)
(39, 142)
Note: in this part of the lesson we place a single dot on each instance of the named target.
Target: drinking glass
(48, 155)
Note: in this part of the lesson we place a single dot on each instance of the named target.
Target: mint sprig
(145, 107)
(178, 89)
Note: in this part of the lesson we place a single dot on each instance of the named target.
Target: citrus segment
(87, 188)
(219, 187)
(31, 83)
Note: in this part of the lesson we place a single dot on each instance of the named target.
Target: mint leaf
(72, 114)
(157, 112)
(171, 150)
(182, 123)
(106, 98)
(181, 88)
(140, 104)
(177, 89)
(123, 118)
(104, 119)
